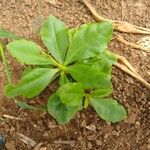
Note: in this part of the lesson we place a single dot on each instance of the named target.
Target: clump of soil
(86, 131)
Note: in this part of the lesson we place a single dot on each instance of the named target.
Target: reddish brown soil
(24, 18)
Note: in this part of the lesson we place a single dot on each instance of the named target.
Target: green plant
(79, 59)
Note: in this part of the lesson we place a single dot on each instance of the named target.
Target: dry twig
(70, 142)
(133, 45)
(121, 26)
(26, 140)
(124, 61)
(12, 117)
(137, 76)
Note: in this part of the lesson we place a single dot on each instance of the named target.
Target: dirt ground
(86, 131)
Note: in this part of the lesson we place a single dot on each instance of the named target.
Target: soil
(86, 131)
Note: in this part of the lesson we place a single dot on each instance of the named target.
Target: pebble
(148, 146)
(106, 136)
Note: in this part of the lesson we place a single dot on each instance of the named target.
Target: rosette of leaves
(79, 59)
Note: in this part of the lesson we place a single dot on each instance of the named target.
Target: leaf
(105, 61)
(90, 77)
(24, 105)
(109, 109)
(55, 36)
(71, 94)
(88, 41)
(110, 57)
(100, 93)
(32, 83)
(72, 32)
(63, 79)
(28, 53)
(86, 102)
(7, 34)
(60, 111)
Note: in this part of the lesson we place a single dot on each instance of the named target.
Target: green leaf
(110, 57)
(32, 83)
(71, 94)
(7, 34)
(55, 36)
(105, 61)
(60, 111)
(88, 41)
(89, 76)
(72, 32)
(109, 109)
(86, 102)
(100, 93)
(24, 105)
(63, 79)
(28, 53)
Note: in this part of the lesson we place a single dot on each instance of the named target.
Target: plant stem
(57, 64)
(7, 70)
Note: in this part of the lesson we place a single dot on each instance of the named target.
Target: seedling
(79, 59)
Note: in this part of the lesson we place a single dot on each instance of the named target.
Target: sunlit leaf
(90, 77)
(32, 83)
(28, 53)
(71, 94)
(109, 109)
(88, 41)
(60, 111)
(55, 36)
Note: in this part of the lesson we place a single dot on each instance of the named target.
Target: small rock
(89, 144)
(137, 123)
(106, 136)
(148, 146)
(98, 142)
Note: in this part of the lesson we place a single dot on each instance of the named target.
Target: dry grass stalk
(26, 140)
(133, 45)
(70, 142)
(12, 117)
(121, 26)
(136, 76)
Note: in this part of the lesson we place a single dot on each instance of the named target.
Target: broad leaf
(105, 61)
(71, 94)
(90, 77)
(88, 41)
(60, 111)
(55, 36)
(32, 83)
(28, 53)
(7, 34)
(71, 33)
(109, 109)
(100, 93)
(63, 79)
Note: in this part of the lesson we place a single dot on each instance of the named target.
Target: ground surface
(87, 131)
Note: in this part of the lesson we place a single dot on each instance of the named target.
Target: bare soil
(86, 131)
